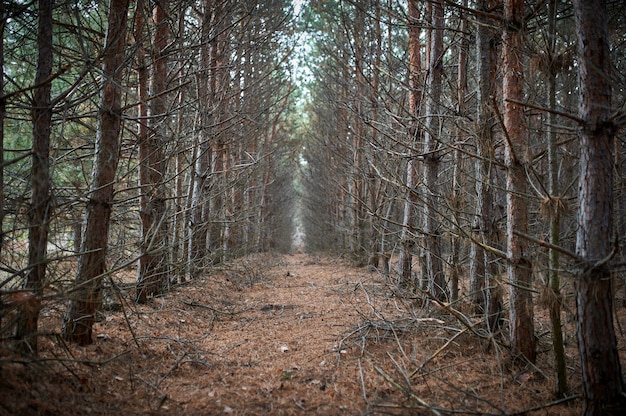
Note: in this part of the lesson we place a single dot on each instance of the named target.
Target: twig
(464, 320)
(195, 304)
(546, 244)
(119, 297)
(407, 392)
(363, 388)
(298, 403)
(546, 405)
(496, 110)
(436, 353)
(547, 110)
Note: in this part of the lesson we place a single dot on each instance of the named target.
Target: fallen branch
(436, 353)
(407, 392)
(546, 405)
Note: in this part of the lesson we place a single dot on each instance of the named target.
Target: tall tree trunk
(79, 319)
(602, 376)
(519, 264)
(153, 274)
(432, 159)
(554, 212)
(375, 201)
(39, 212)
(358, 185)
(484, 289)
(3, 111)
(456, 197)
(205, 87)
(177, 246)
(407, 237)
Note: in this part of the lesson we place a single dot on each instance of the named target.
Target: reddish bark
(522, 335)
(86, 297)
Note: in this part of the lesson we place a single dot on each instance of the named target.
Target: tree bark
(86, 297)
(40, 208)
(602, 376)
(485, 293)
(554, 215)
(3, 110)
(432, 159)
(357, 231)
(205, 88)
(456, 196)
(519, 264)
(152, 272)
(414, 132)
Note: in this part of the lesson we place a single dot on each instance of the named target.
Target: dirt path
(260, 338)
(269, 336)
(280, 355)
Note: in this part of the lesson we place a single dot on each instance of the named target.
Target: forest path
(278, 352)
(263, 336)
(276, 335)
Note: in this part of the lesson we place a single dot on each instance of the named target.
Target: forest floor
(284, 335)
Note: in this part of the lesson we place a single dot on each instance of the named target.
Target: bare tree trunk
(376, 199)
(456, 197)
(3, 113)
(554, 212)
(436, 279)
(39, 212)
(410, 200)
(152, 273)
(519, 265)
(199, 224)
(484, 288)
(602, 376)
(177, 246)
(86, 298)
(358, 185)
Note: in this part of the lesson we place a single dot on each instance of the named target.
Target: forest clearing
(286, 335)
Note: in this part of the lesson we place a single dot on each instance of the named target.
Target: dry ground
(288, 335)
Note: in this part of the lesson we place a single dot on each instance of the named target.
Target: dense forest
(471, 152)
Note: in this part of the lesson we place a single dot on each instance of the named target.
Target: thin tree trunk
(374, 186)
(484, 289)
(205, 88)
(410, 200)
(86, 298)
(3, 111)
(554, 210)
(358, 184)
(152, 273)
(456, 197)
(519, 265)
(39, 212)
(434, 265)
(601, 370)
(178, 224)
